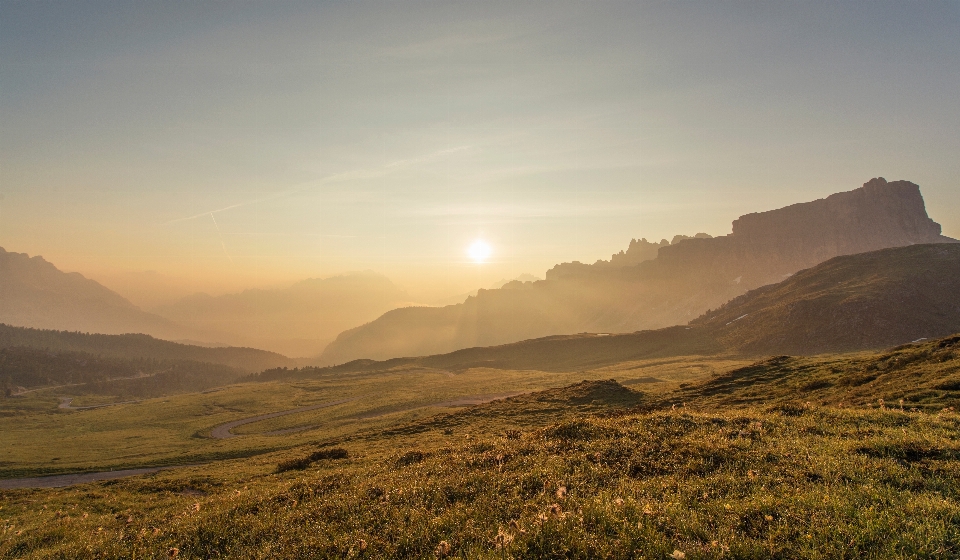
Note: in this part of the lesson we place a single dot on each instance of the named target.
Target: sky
(224, 145)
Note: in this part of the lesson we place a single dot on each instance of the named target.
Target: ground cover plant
(592, 470)
(176, 429)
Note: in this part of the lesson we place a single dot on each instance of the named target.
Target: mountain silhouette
(34, 293)
(866, 301)
(685, 279)
(295, 321)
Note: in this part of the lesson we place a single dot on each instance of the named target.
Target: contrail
(344, 176)
(222, 244)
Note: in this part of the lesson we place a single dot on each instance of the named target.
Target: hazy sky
(247, 143)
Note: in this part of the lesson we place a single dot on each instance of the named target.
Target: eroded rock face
(766, 246)
(687, 277)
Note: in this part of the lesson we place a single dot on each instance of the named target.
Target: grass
(759, 461)
(749, 483)
(175, 429)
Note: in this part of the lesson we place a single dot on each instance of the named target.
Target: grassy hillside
(593, 470)
(80, 373)
(855, 302)
(134, 346)
(552, 353)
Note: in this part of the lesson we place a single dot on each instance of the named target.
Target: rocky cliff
(686, 278)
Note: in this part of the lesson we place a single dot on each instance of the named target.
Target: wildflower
(618, 502)
(561, 492)
(768, 517)
(173, 552)
(443, 549)
(678, 555)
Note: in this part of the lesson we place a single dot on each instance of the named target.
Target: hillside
(80, 373)
(686, 279)
(554, 353)
(295, 321)
(34, 293)
(787, 458)
(855, 302)
(134, 346)
(922, 376)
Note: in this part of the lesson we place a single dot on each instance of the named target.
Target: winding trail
(61, 480)
(223, 430)
(65, 404)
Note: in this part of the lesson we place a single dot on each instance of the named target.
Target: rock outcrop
(686, 278)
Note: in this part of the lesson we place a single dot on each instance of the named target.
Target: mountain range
(865, 301)
(631, 293)
(296, 321)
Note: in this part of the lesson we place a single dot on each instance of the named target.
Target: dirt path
(223, 430)
(60, 480)
(65, 404)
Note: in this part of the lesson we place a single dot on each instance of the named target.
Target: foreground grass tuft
(746, 483)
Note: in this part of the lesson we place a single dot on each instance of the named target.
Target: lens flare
(479, 251)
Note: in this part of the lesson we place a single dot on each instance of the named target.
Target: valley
(723, 457)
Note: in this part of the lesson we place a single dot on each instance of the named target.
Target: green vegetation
(137, 346)
(786, 458)
(23, 369)
(853, 302)
(175, 429)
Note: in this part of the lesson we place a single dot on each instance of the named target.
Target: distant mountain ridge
(866, 301)
(34, 293)
(295, 321)
(684, 280)
(137, 346)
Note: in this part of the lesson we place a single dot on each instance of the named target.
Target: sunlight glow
(479, 251)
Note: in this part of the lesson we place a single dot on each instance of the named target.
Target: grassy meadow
(176, 429)
(781, 458)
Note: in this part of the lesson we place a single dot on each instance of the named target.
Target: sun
(479, 251)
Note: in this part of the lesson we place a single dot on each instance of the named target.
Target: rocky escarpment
(686, 278)
(766, 247)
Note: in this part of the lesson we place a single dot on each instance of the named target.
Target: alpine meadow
(500, 280)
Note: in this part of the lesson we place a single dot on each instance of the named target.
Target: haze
(170, 148)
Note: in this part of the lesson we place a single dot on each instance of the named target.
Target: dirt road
(223, 430)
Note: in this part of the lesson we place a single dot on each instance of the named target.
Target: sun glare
(479, 251)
